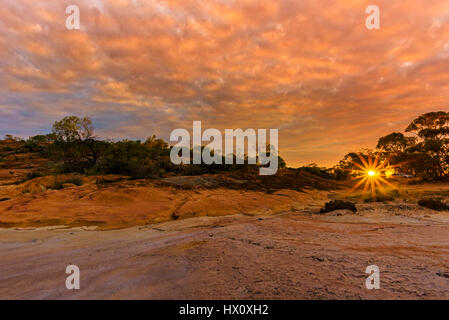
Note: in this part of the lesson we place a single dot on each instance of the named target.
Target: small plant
(433, 204)
(338, 205)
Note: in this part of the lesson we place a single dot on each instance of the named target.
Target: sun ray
(363, 161)
(381, 165)
(366, 187)
(361, 167)
(376, 161)
(358, 184)
(372, 174)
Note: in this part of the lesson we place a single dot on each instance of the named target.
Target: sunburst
(372, 175)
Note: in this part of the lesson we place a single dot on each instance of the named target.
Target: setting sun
(371, 173)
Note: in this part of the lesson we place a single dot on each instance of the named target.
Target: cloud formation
(307, 67)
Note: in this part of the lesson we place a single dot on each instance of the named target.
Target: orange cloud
(309, 68)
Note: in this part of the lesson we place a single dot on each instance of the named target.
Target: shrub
(338, 205)
(132, 158)
(433, 204)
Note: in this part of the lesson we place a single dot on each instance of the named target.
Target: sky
(310, 68)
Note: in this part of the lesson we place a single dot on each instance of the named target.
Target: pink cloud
(309, 67)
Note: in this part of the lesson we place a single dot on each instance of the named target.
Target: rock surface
(287, 256)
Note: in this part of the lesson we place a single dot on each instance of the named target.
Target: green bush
(132, 158)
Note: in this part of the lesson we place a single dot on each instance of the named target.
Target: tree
(154, 142)
(432, 130)
(75, 143)
(351, 163)
(397, 148)
(132, 158)
(395, 143)
(39, 143)
(10, 137)
(41, 138)
(72, 128)
(431, 126)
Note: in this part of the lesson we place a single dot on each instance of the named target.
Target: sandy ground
(295, 255)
